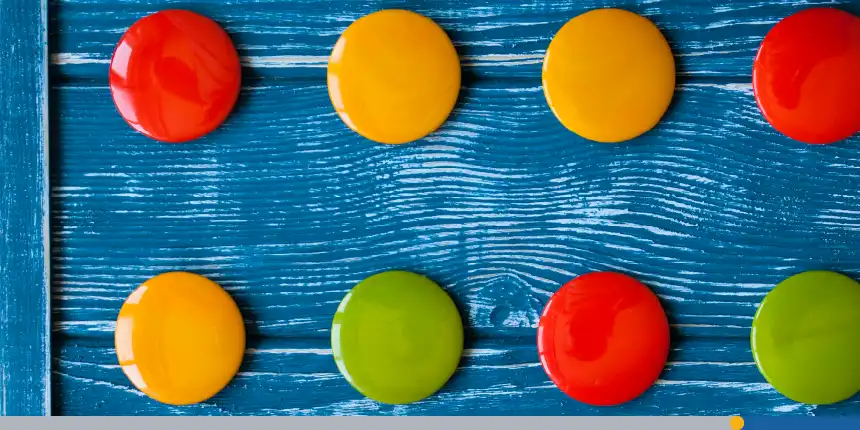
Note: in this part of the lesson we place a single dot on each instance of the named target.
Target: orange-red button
(603, 338)
(179, 338)
(806, 76)
(175, 76)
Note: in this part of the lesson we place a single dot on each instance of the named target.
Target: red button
(603, 338)
(805, 76)
(175, 76)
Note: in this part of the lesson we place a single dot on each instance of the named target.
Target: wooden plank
(299, 377)
(287, 209)
(495, 37)
(24, 332)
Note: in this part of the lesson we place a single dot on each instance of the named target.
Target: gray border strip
(382, 423)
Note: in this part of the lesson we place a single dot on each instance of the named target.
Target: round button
(609, 75)
(397, 337)
(603, 338)
(805, 76)
(179, 338)
(393, 76)
(175, 76)
(806, 337)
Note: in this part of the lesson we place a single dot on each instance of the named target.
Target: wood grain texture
(24, 302)
(288, 209)
(299, 377)
(494, 37)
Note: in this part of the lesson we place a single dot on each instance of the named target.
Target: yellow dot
(609, 75)
(394, 76)
(179, 338)
(737, 423)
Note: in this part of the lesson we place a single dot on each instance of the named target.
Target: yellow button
(179, 338)
(394, 76)
(609, 75)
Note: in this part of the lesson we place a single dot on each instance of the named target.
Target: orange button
(179, 338)
(609, 75)
(394, 76)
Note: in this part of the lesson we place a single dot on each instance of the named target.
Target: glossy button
(397, 337)
(805, 76)
(393, 76)
(609, 75)
(603, 338)
(179, 338)
(175, 76)
(806, 337)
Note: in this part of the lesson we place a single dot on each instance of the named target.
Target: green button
(806, 337)
(397, 337)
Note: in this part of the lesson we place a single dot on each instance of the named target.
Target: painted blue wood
(287, 209)
(293, 38)
(299, 377)
(24, 302)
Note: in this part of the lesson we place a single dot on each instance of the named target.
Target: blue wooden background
(288, 209)
(24, 327)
